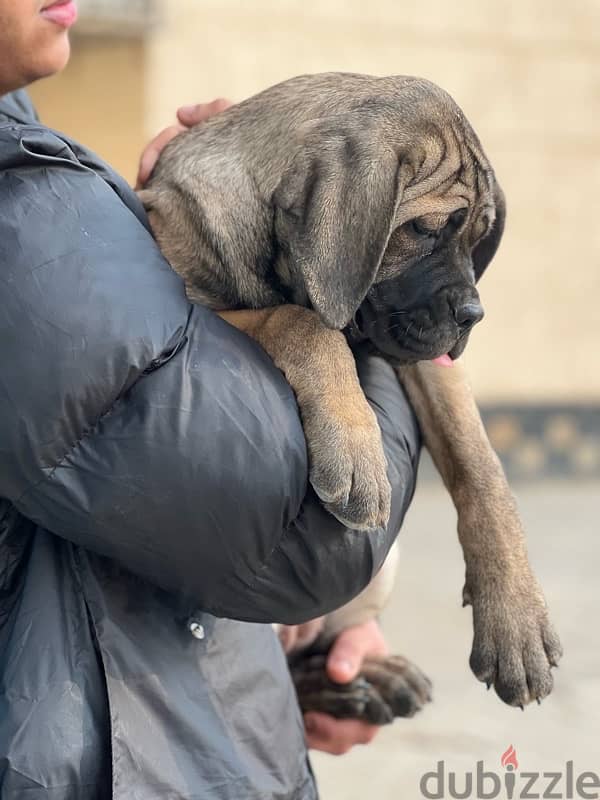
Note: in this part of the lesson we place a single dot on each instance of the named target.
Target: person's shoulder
(25, 141)
(20, 124)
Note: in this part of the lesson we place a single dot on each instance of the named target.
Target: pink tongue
(443, 361)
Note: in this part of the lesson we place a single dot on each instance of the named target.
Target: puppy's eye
(421, 229)
(458, 217)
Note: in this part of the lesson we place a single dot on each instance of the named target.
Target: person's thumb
(346, 656)
(200, 112)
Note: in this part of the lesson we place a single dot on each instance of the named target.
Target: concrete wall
(526, 72)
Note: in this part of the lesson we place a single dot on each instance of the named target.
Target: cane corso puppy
(336, 209)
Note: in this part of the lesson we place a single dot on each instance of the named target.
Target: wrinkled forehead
(444, 160)
(450, 173)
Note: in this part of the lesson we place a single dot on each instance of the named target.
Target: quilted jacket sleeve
(149, 431)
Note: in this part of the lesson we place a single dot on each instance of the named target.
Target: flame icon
(509, 758)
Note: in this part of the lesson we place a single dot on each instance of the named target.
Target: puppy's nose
(468, 314)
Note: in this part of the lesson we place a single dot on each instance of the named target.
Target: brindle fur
(300, 203)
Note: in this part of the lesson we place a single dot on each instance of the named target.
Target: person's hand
(337, 736)
(187, 117)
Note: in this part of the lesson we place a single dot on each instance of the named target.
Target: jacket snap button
(196, 629)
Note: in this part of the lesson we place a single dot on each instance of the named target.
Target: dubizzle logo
(511, 784)
(510, 763)
(509, 758)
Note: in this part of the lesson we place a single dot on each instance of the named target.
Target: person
(155, 516)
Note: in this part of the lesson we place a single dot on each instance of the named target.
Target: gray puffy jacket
(154, 481)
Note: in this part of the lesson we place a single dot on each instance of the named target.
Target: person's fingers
(200, 112)
(336, 736)
(152, 151)
(350, 648)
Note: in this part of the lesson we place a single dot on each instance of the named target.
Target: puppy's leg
(514, 644)
(347, 463)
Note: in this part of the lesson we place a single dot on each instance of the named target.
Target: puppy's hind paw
(385, 688)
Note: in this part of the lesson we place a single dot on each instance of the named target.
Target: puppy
(339, 208)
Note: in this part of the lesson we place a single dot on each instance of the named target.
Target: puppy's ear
(335, 206)
(486, 249)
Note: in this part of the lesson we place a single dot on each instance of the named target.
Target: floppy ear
(335, 207)
(486, 249)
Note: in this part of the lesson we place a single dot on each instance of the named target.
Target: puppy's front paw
(348, 468)
(385, 688)
(514, 645)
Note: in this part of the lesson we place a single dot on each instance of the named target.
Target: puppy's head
(386, 217)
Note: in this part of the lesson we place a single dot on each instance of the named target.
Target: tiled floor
(425, 621)
(550, 441)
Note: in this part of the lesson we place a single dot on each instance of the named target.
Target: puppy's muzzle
(422, 331)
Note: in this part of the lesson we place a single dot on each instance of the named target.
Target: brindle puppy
(345, 207)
